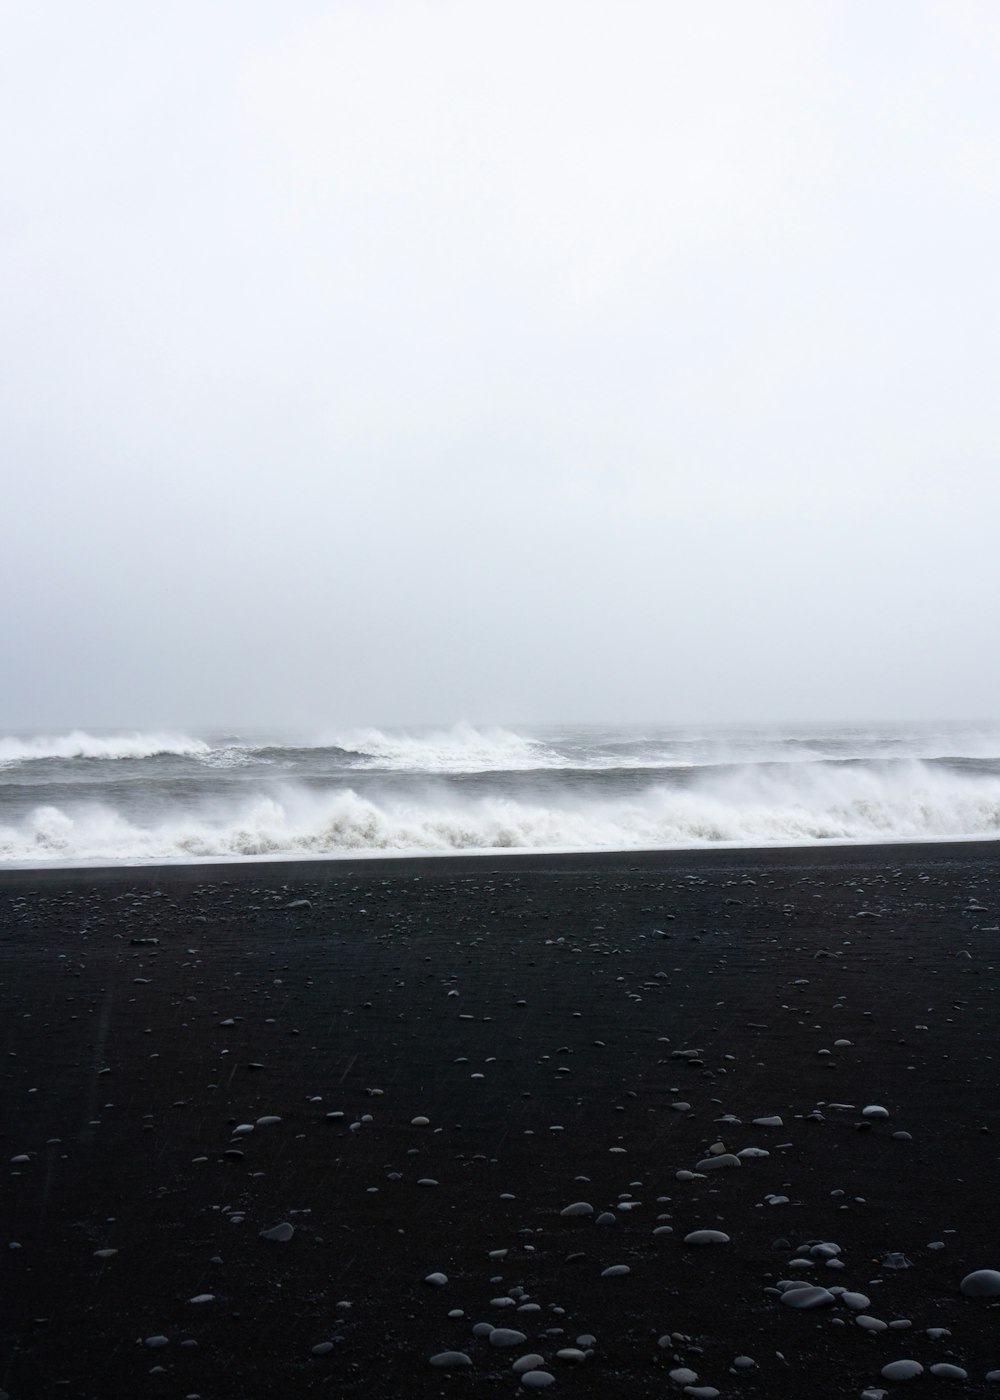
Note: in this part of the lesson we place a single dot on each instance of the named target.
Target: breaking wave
(80, 744)
(749, 807)
(462, 749)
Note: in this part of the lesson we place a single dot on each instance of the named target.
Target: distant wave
(462, 749)
(79, 744)
(747, 807)
(465, 749)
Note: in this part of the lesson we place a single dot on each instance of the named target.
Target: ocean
(81, 798)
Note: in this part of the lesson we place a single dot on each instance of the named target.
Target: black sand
(578, 980)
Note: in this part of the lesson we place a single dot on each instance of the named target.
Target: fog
(374, 363)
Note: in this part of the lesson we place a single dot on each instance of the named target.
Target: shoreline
(195, 1054)
(521, 858)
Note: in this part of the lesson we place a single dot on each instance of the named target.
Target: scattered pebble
(902, 1370)
(807, 1297)
(506, 1337)
(984, 1283)
(451, 1358)
(281, 1233)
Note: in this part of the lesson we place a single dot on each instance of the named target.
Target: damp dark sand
(575, 1031)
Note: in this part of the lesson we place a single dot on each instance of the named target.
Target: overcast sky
(381, 361)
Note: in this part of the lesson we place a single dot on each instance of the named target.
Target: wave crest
(748, 808)
(461, 749)
(80, 744)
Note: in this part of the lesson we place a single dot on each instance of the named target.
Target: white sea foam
(748, 807)
(80, 744)
(461, 749)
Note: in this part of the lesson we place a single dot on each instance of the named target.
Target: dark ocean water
(91, 797)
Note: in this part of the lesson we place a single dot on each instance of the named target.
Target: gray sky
(377, 362)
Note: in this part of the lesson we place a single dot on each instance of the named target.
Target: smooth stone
(874, 1110)
(775, 1121)
(420, 1122)
(426, 1181)
(947, 1372)
(282, 1233)
(706, 1237)
(506, 1337)
(871, 1324)
(571, 1354)
(722, 1159)
(537, 1380)
(807, 1297)
(482, 1329)
(436, 1280)
(744, 1363)
(577, 1208)
(857, 1301)
(606, 1217)
(531, 1362)
(683, 1376)
(202, 1298)
(702, 1392)
(451, 1358)
(157, 1340)
(902, 1370)
(615, 1271)
(984, 1283)
(322, 1348)
(268, 1121)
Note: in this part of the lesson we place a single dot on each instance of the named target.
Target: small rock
(984, 1283)
(807, 1297)
(281, 1233)
(902, 1370)
(704, 1237)
(451, 1358)
(506, 1337)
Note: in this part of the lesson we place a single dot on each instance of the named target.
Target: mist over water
(82, 798)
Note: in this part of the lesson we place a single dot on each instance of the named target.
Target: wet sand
(575, 1029)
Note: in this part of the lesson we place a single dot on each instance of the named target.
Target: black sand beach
(575, 1029)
